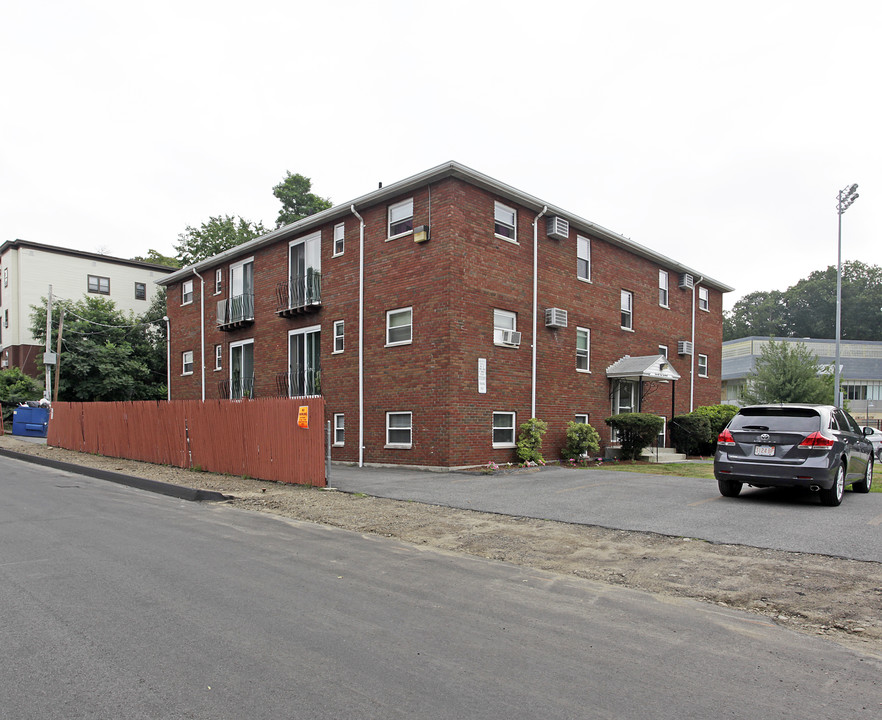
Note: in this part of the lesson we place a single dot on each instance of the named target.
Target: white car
(875, 437)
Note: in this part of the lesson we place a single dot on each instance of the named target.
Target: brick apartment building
(437, 314)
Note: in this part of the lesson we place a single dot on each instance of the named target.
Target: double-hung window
(186, 292)
(140, 291)
(218, 281)
(703, 299)
(627, 305)
(583, 345)
(583, 258)
(401, 218)
(98, 284)
(338, 336)
(187, 362)
(218, 356)
(339, 242)
(702, 366)
(663, 350)
(662, 288)
(339, 429)
(399, 326)
(505, 222)
(505, 325)
(503, 429)
(399, 429)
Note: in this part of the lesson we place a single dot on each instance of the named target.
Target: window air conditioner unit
(510, 337)
(686, 281)
(557, 228)
(684, 347)
(555, 318)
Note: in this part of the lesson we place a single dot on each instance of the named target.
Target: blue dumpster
(33, 421)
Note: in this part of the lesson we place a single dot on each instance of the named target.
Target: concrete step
(665, 455)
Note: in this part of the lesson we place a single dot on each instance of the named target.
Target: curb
(176, 491)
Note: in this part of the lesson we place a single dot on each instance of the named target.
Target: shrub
(718, 416)
(636, 431)
(530, 440)
(581, 440)
(691, 433)
(15, 388)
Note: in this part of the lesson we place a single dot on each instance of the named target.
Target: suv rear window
(777, 419)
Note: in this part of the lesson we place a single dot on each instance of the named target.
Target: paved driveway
(682, 507)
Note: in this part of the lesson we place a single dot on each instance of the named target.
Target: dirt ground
(837, 598)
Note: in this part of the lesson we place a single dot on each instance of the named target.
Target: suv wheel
(833, 496)
(864, 485)
(729, 488)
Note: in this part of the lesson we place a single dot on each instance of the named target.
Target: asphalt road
(681, 507)
(118, 603)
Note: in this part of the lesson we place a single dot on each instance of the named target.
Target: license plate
(764, 450)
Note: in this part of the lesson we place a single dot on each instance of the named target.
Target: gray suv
(818, 447)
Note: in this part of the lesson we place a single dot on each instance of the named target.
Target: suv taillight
(816, 440)
(725, 438)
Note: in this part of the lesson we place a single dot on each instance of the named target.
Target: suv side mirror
(868, 431)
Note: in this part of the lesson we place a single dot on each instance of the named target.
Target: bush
(530, 440)
(15, 388)
(636, 431)
(581, 440)
(718, 416)
(691, 433)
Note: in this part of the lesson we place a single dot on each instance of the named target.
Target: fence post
(328, 454)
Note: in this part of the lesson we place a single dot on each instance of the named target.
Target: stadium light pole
(846, 197)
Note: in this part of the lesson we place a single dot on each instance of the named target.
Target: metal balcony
(236, 389)
(235, 312)
(299, 383)
(302, 294)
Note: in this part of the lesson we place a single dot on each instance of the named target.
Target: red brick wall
(453, 282)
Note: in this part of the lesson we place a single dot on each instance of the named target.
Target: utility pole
(58, 355)
(47, 393)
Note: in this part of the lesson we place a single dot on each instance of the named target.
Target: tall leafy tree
(106, 354)
(15, 388)
(758, 313)
(787, 372)
(298, 200)
(157, 258)
(218, 234)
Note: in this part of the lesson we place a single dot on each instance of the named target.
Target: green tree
(298, 200)
(157, 258)
(758, 313)
(530, 440)
(581, 440)
(218, 234)
(15, 388)
(787, 372)
(106, 355)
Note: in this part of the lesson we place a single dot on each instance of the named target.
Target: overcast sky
(715, 133)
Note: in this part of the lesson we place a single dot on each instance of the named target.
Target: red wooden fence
(258, 438)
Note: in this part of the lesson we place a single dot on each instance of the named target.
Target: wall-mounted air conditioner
(557, 228)
(510, 337)
(555, 318)
(686, 281)
(684, 347)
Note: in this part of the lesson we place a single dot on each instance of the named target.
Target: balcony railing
(236, 389)
(235, 311)
(300, 294)
(299, 383)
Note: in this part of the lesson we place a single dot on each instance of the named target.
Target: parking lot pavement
(680, 507)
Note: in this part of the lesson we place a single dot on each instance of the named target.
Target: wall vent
(557, 228)
(684, 347)
(686, 281)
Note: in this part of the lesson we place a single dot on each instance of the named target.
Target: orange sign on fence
(303, 417)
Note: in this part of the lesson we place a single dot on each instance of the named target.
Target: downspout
(201, 328)
(360, 336)
(535, 306)
(692, 356)
(167, 354)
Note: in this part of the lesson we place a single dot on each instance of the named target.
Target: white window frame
(702, 365)
(663, 350)
(339, 430)
(339, 337)
(218, 357)
(583, 254)
(703, 299)
(187, 292)
(240, 345)
(218, 281)
(339, 239)
(187, 360)
(494, 427)
(402, 212)
(389, 327)
(498, 329)
(586, 353)
(5, 277)
(582, 418)
(663, 288)
(627, 310)
(399, 445)
(504, 211)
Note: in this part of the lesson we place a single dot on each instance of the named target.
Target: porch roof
(650, 367)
